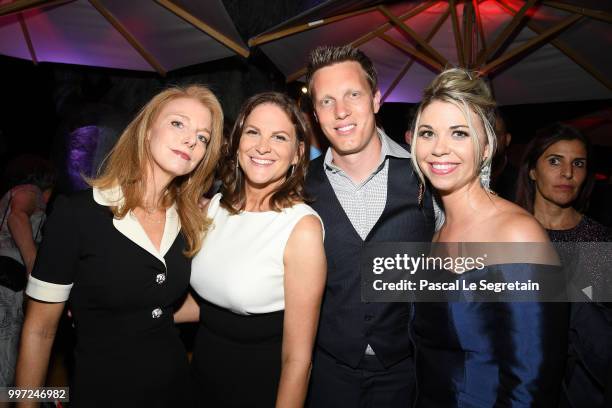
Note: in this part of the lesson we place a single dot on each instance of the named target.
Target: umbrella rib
(202, 26)
(406, 67)
(28, 39)
(420, 41)
(128, 37)
(468, 17)
(370, 35)
(296, 75)
(386, 26)
(529, 45)
(457, 32)
(265, 38)
(510, 29)
(21, 6)
(413, 52)
(569, 52)
(479, 23)
(397, 79)
(596, 14)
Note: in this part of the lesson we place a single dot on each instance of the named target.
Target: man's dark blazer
(348, 325)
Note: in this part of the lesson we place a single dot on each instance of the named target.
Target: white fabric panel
(46, 291)
(546, 76)
(76, 33)
(173, 41)
(213, 13)
(410, 88)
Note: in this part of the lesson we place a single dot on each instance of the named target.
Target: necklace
(150, 219)
(148, 213)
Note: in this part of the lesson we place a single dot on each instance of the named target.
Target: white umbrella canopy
(532, 51)
(143, 35)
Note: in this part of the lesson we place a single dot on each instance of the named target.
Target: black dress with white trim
(122, 293)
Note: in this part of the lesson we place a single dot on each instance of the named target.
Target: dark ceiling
(252, 17)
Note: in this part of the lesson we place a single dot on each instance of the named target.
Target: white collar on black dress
(131, 228)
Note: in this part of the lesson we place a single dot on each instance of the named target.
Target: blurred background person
(503, 172)
(318, 143)
(555, 183)
(22, 214)
(410, 116)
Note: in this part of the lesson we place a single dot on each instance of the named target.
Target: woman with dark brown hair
(119, 254)
(261, 270)
(555, 184)
(536, 189)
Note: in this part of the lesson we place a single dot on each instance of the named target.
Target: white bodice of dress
(240, 266)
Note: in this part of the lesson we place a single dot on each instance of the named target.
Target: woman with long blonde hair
(120, 252)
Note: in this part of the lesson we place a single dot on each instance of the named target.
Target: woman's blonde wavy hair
(470, 93)
(126, 165)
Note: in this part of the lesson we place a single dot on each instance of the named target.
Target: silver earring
(485, 175)
(291, 169)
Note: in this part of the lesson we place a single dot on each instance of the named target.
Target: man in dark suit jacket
(366, 192)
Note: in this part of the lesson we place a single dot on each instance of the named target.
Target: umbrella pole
(28, 39)
(202, 26)
(128, 36)
(406, 67)
(529, 45)
(370, 35)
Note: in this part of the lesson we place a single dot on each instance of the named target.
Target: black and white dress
(122, 293)
(239, 273)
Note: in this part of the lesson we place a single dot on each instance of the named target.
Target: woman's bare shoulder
(512, 223)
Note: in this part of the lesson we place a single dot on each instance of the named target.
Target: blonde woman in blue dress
(481, 354)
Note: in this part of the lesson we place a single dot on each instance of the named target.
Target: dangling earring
(485, 175)
(421, 193)
(291, 169)
(237, 170)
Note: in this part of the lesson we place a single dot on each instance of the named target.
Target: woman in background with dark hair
(555, 182)
(22, 214)
(261, 270)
